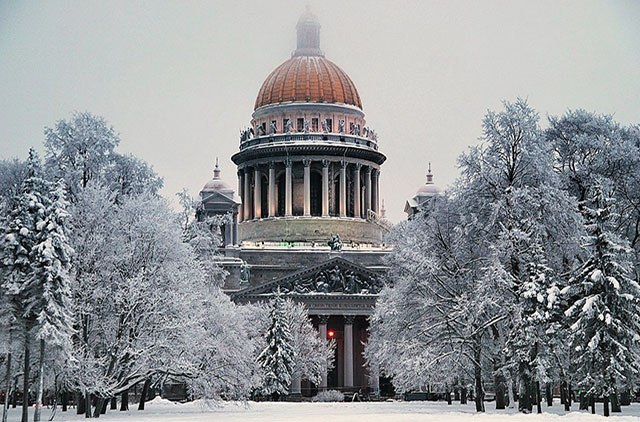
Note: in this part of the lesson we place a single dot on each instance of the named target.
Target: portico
(340, 296)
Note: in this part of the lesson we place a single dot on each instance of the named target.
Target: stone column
(240, 193)
(257, 194)
(272, 190)
(343, 189)
(307, 187)
(374, 193)
(325, 188)
(356, 190)
(235, 229)
(228, 240)
(287, 190)
(322, 329)
(376, 202)
(348, 350)
(367, 191)
(246, 196)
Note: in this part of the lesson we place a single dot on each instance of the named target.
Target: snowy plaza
(163, 411)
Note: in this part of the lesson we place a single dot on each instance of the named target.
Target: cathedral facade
(306, 217)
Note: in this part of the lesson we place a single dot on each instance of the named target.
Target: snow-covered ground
(164, 411)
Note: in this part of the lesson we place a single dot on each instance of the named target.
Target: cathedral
(306, 218)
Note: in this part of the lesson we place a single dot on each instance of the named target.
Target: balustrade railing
(319, 137)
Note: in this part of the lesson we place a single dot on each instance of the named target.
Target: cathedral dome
(429, 188)
(308, 79)
(216, 184)
(308, 76)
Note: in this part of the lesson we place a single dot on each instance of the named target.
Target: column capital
(287, 163)
(240, 172)
(343, 164)
(306, 162)
(325, 163)
(272, 165)
(368, 170)
(323, 319)
(349, 319)
(358, 166)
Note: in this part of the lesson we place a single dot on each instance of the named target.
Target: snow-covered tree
(527, 338)
(219, 357)
(431, 321)
(21, 235)
(78, 150)
(278, 357)
(604, 307)
(313, 354)
(47, 291)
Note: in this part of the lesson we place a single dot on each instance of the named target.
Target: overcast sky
(178, 79)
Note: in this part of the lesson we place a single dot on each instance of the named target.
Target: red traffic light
(330, 333)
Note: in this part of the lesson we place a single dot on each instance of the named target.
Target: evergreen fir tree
(48, 291)
(604, 308)
(26, 218)
(278, 357)
(527, 338)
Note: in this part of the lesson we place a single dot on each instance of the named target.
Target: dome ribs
(309, 79)
(302, 73)
(318, 80)
(327, 84)
(266, 92)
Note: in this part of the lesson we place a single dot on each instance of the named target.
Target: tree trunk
(524, 397)
(567, 400)
(100, 404)
(448, 394)
(143, 396)
(80, 409)
(456, 394)
(14, 393)
(124, 403)
(615, 404)
(64, 398)
(511, 399)
(548, 391)
(593, 405)
(538, 399)
(87, 404)
(625, 398)
(499, 381)
(563, 386)
(569, 393)
(605, 404)
(7, 390)
(38, 410)
(103, 408)
(25, 377)
(477, 371)
(463, 395)
(114, 403)
(584, 402)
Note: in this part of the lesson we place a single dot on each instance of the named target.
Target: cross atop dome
(216, 170)
(308, 29)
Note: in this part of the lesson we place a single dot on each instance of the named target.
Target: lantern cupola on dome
(308, 29)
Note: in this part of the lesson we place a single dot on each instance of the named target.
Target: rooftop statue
(335, 243)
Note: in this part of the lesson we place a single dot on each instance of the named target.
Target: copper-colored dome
(305, 78)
